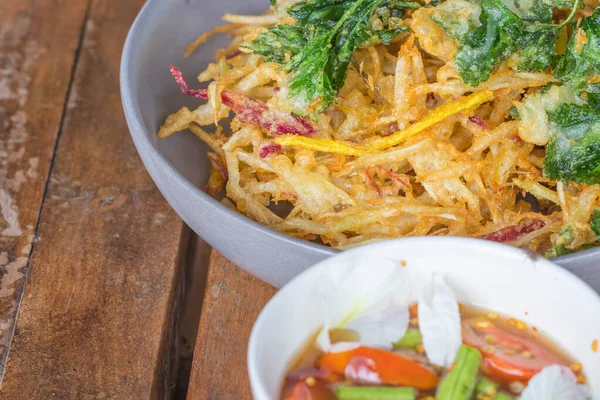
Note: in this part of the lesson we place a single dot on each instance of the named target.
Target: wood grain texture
(37, 51)
(232, 301)
(98, 308)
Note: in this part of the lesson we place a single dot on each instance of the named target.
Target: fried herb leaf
(507, 29)
(595, 223)
(564, 238)
(491, 43)
(536, 50)
(280, 43)
(320, 13)
(573, 153)
(582, 59)
(318, 48)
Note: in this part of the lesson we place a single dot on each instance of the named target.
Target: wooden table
(232, 301)
(92, 259)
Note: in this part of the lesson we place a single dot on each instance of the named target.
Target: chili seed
(420, 349)
(492, 315)
(576, 367)
(491, 339)
(310, 381)
(516, 387)
(527, 354)
(489, 349)
(482, 324)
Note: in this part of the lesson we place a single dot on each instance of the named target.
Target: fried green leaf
(506, 28)
(280, 43)
(582, 59)
(318, 48)
(564, 238)
(595, 223)
(573, 153)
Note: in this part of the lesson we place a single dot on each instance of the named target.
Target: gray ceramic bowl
(179, 164)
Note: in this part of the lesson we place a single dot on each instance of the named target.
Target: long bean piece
(460, 383)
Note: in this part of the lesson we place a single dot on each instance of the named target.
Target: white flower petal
(371, 301)
(341, 347)
(555, 382)
(382, 324)
(439, 322)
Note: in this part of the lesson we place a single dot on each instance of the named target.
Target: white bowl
(490, 275)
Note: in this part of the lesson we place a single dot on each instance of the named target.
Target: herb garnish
(529, 37)
(318, 48)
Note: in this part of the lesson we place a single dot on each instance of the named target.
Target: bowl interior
(177, 23)
(489, 275)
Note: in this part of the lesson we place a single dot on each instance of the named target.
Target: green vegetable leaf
(507, 29)
(318, 48)
(573, 153)
(531, 11)
(491, 43)
(536, 50)
(582, 59)
(595, 223)
(281, 43)
(564, 238)
(320, 13)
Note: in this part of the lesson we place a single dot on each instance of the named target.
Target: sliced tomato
(507, 363)
(414, 310)
(303, 391)
(388, 367)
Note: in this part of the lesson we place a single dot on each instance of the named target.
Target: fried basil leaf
(280, 43)
(582, 59)
(573, 153)
(318, 48)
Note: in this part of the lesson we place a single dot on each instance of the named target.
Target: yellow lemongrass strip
(537, 190)
(204, 37)
(382, 143)
(439, 114)
(319, 144)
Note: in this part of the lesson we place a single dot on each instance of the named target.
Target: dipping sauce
(498, 358)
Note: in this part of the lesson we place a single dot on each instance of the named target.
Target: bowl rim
(540, 263)
(141, 137)
(140, 134)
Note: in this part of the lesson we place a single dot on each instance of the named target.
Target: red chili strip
(478, 121)
(511, 233)
(253, 111)
(370, 177)
(402, 181)
(269, 149)
(197, 93)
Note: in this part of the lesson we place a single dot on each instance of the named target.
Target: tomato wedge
(507, 363)
(303, 391)
(391, 368)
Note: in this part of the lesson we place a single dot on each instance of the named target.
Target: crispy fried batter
(407, 149)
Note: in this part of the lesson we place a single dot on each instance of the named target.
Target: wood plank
(232, 301)
(37, 51)
(98, 309)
